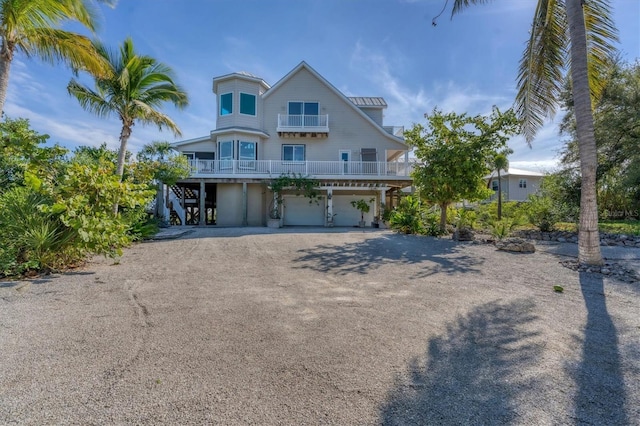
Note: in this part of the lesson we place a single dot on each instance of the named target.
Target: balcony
(367, 170)
(307, 124)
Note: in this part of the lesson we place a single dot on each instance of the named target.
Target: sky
(384, 48)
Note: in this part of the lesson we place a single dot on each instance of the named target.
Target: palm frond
(540, 74)
(90, 100)
(601, 33)
(52, 45)
(460, 5)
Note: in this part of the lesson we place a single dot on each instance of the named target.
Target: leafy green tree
(136, 87)
(455, 152)
(33, 27)
(21, 151)
(159, 162)
(617, 132)
(576, 35)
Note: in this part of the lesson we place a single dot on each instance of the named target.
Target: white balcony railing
(274, 168)
(303, 123)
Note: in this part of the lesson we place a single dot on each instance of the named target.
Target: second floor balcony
(317, 169)
(303, 123)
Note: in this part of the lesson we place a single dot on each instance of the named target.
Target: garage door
(346, 214)
(299, 212)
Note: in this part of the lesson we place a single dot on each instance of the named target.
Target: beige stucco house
(517, 184)
(301, 125)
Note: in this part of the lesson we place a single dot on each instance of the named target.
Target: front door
(345, 157)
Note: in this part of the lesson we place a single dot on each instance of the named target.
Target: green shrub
(406, 218)
(501, 229)
(541, 212)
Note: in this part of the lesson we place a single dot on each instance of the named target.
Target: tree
(499, 162)
(617, 133)
(158, 161)
(136, 87)
(454, 155)
(33, 28)
(583, 32)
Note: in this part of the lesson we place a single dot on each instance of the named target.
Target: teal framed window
(247, 154)
(247, 104)
(226, 104)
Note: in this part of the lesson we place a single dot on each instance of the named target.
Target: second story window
(494, 185)
(523, 183)
(293, 153)
(226, 104)
(247, 104)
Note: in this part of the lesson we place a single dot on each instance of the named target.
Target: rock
(516, 245)
(561, 240)
(463, 234)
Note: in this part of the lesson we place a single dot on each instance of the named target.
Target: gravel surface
(320, 326)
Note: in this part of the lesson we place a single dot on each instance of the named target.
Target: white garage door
(299, 212)
(346, 214)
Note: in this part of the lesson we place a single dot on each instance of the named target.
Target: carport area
(319, 326)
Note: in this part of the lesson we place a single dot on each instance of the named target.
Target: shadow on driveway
(601, 396)
(432, 255)
(471, 375)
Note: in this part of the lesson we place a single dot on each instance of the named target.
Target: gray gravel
(316, 326)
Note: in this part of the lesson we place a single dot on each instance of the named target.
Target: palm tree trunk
(6, 56)
(588, 237)
(124, 137)
(499, 196)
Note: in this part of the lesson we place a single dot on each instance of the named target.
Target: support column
(329, 219)
(245, 222)
(203, 213)
(383, 199)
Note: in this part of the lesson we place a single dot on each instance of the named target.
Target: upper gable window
(247, 104)
(226, 104)
(303, 108)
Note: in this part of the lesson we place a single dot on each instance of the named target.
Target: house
(303, 126)
(517, 184)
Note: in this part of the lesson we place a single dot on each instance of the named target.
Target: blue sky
(382, 48)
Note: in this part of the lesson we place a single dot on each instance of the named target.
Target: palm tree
(138, 85)
(32, 27)
(500, 162)
(581, 34)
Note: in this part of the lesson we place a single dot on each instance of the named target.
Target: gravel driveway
(319, 326)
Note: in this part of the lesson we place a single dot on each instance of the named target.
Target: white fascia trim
(194, 140)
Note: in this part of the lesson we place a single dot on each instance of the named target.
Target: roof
(521, 172)
(515, 172)
(242, 75)
(368, 101)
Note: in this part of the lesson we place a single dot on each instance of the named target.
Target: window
(523, 183)
(309, 112)
(226, 104)
(226, 154)
(247, 104)
(369, 154)
(247, 155)
(190, 155)
(494, 185)
(293, 153)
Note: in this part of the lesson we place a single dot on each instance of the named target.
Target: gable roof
(332, 88)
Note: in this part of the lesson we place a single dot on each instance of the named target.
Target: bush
(30, 237)
(501, 229)
(406, 218)
(541, 212)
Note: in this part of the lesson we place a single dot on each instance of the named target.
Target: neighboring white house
(301, 125)
(517, 184)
